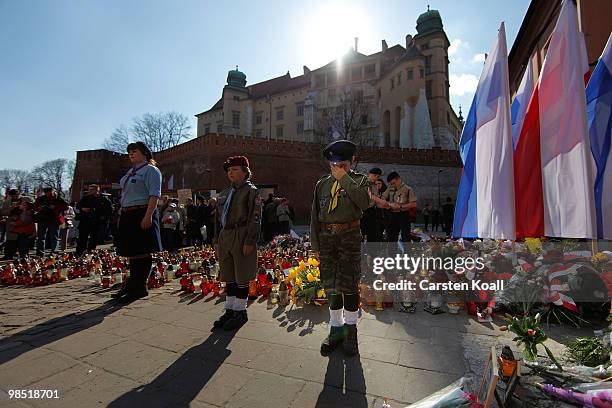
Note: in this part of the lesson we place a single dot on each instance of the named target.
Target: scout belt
(234, 226)
(132, 208)
(336, 228)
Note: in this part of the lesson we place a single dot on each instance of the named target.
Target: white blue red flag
(485, 200)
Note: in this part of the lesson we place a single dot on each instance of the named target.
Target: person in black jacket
(94, 210)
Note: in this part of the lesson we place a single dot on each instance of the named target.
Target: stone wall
(292, 168)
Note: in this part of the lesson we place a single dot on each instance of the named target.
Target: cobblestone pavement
(160, 352)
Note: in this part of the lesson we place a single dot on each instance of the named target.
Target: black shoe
(333, 340)
(121, 292)
(237, 321)
(350, 342)
(221, 321)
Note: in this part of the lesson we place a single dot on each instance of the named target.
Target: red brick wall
(294, 167)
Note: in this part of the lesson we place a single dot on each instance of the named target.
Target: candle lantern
(106, 280)
(118, 276)
(216, 289)
(252, 290)
(196, 278)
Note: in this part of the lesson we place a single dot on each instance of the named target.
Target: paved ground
(160, 352)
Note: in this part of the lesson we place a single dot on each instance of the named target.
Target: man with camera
(49, 209)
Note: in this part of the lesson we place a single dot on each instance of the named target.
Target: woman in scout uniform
(338, 202)
(139, 221)
(237, 227)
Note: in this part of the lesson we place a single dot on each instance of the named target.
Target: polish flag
(553, 165)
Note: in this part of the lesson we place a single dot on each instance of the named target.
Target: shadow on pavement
(182, 381)
(56, 329)
(344, 384)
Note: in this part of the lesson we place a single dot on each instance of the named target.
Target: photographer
(49, 209)
(94, 211)
(10, 210)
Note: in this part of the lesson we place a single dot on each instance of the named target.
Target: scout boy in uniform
(237, 227)
(338, 202)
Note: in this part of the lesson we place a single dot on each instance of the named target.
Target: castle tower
(234, 119)
(433, 43)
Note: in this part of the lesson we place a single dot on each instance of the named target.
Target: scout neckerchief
(226, 207)
(131, 174)
(335, 192)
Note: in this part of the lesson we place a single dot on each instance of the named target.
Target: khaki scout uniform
(336, 234)
(242, 227)
(400, 218)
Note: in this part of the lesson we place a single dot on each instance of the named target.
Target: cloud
(479, 58)
(456, 44)
(463, 84)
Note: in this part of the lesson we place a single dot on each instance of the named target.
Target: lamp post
(439, 199)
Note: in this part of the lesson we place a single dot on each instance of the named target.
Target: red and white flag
(553, 165)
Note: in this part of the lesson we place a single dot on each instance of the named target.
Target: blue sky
(72, 71)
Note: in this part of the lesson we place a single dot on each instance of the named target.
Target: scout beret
(235, 161)
(392, 175)
(340, 150)
(144, 149)
(376, 171)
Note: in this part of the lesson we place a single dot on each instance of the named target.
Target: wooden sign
(490, 376)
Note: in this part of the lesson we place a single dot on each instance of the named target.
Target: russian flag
(520, 102)
(599, 114)
(485, 200)
(553, 166)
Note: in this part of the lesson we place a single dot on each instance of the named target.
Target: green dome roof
(236, 78)
(428, 22)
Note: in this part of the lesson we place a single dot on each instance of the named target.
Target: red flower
(531, 332)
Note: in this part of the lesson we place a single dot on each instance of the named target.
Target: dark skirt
(132, 239)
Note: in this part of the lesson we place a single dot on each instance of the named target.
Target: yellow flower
(310, 277)
(298, 281)
(321, 294)
(317, 272)
(292, 274)
(315, 263)
(534, 245)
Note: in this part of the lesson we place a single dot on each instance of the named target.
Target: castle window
(428, 89)
(428, 64)
(236, 119)
(356, 73)
(279, 132)
(392, 83)
(236, 98)
(280, 113)
(364, 119)
(359, 95)
(448, 118)
(220, 126)
(370, 70)
(425, 46)
(299, 109)
(206, 128)
(258, 119)
(421, 73)
(257, 132)
(399, 78)
(299, 127)
(410, 73)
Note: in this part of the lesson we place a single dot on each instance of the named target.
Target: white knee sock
(239, 305)
(335, 318)
(351, 317)
(229, 302)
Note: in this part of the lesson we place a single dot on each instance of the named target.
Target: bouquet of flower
(306, 282)
(529, 334)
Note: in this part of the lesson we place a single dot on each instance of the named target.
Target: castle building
(397, 97)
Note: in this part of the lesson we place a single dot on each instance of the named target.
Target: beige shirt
(400, 195)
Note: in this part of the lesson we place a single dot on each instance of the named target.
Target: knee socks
(230, 295)
(242, 292)
(343, 308)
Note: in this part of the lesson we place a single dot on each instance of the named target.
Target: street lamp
(439, 199)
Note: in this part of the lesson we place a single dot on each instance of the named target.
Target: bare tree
(349, 120)
(118, 140)
(159, 131)
(53, 173)
(15, 178)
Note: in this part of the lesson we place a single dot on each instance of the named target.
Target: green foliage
(589, 351)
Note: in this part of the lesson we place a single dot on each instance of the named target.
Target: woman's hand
(247, 249)
(146, 222)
